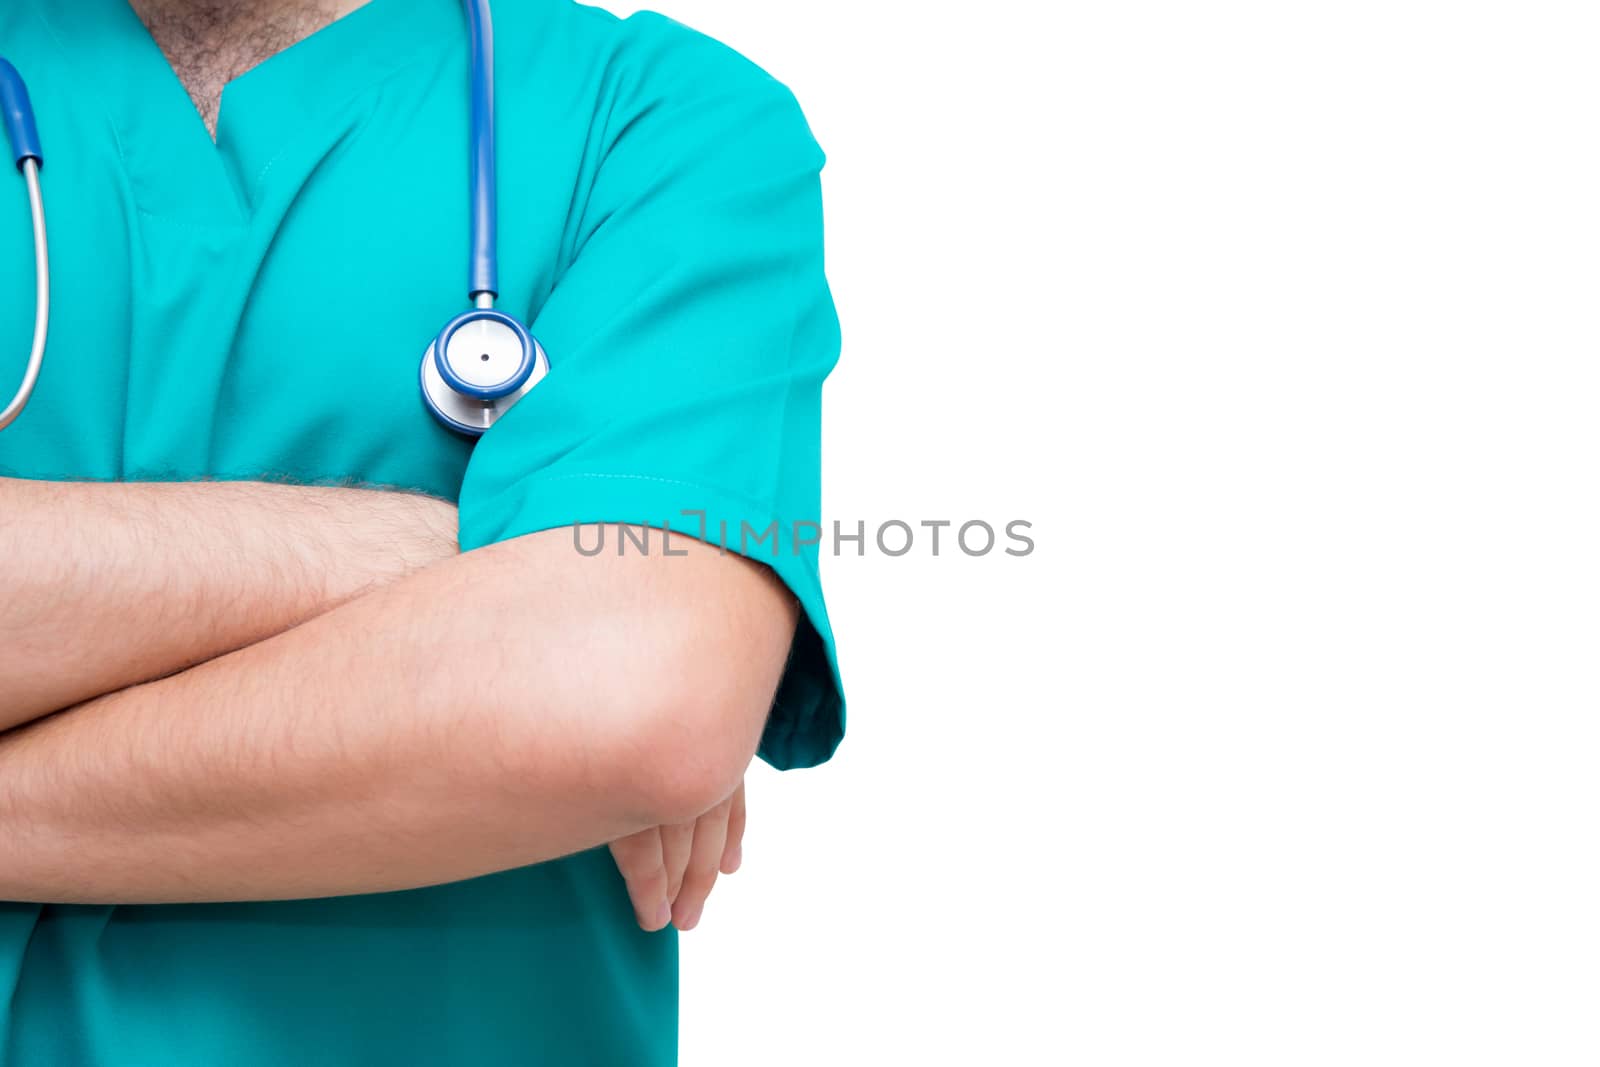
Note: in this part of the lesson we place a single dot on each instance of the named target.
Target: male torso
(256, 308)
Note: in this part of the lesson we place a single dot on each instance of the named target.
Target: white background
(1278, 321)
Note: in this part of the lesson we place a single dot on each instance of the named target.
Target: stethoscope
(473, 371)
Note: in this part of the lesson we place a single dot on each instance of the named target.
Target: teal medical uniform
(258, 307)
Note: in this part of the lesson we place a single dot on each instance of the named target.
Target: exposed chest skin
(211, 42)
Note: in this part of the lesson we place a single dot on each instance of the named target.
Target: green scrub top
(258, 308)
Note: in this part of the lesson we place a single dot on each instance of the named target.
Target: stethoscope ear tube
(16, 115)
(41, 321)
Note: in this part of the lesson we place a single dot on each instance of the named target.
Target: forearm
(373, 748)
(110, 584)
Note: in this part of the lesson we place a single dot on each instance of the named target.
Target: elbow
(637, 747)
(659, 688)
(688, 726)
(653, 756)
(689, 745)
(680, 736)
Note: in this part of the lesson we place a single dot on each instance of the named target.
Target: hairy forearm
(505, 707)
(112, 584)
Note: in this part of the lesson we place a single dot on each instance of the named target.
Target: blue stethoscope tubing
(475, 369)
(484, 360)
(485, 254)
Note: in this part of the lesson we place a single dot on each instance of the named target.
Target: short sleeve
(688, 337)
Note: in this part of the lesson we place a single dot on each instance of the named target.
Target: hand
(670, 870)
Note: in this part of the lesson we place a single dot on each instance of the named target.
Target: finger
(640, 859)
(676, 843)
(710, 835)
(733, 851)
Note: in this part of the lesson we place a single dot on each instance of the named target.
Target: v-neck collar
(175, 168)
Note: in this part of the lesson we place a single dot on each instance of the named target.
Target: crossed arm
(309, 692)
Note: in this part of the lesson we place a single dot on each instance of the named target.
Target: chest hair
(211, 42)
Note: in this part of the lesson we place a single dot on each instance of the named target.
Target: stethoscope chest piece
(481, 363)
